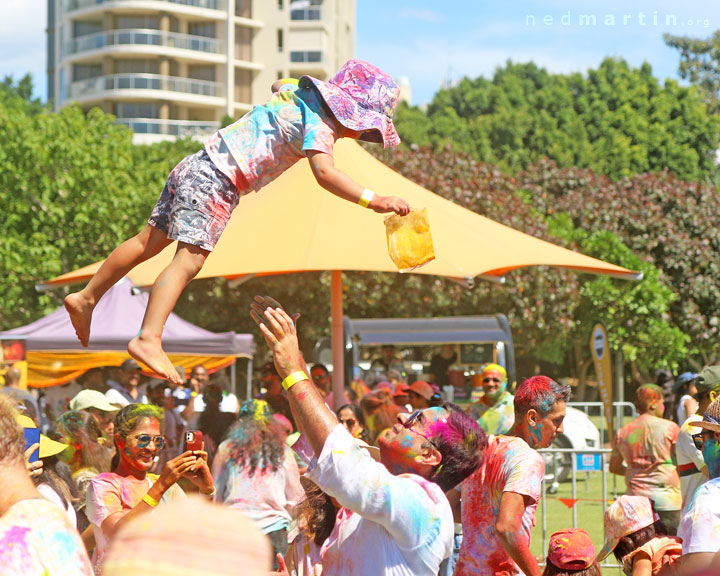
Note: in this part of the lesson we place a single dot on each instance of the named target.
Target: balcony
(142, 37)
(71, 5)
(98, 86)
(307, 14)
(313, 62)
(173, 128)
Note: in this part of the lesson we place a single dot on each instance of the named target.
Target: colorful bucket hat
(626, 515)
(571, 549)
(361, 97)
(711, 418)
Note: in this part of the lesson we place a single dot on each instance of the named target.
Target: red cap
(401, 389)
(571, 549)
(423, 389)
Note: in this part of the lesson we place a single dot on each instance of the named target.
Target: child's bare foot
(80, 311)
(149, 351)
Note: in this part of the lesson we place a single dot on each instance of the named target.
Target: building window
(280, 4)
(280, 45)
(306, 56)
(305, 9)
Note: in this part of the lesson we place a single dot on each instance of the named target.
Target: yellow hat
(48, 447)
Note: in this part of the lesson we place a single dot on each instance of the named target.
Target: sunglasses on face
(409, 423)
(486, 380)
(143, 441)
(349, 422)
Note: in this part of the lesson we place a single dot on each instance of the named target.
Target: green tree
(699, 63)
(616, 120)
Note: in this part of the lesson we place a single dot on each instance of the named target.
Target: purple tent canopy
(116, 321)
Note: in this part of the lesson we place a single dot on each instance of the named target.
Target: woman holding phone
(129, 489)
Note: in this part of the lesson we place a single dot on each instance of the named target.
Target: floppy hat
(708, 379)
(91, 399)
(361, 97)
(192, 537)
(571, 549)
(711, 418)
(423, 389)
(48, 447)
(684, 378)
(626, 515)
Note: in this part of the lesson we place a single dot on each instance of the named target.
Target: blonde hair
(12, 439)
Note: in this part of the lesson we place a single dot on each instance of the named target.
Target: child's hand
(384, 204)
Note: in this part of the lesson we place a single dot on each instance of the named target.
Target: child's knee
(192, 258)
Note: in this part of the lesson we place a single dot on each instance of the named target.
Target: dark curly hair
(315, 513)
(633, 541)
(462, 444)
(254, 440)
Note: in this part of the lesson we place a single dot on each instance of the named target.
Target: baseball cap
(571, 549)
(48, 447)
(708, 379)
(129, 365)
(684, 378)
(401, 389)
(626, 515)
(423, 389)
(91, 399)
(711, 418)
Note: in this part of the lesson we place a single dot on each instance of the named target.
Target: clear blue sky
(429, 41)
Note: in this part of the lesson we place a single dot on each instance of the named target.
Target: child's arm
(642, 565)
(340, 184)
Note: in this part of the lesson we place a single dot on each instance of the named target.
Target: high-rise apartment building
(171, 68)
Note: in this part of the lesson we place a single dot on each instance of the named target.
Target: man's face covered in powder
(400, 446)
(547, 428)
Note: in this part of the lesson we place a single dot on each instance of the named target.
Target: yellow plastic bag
(409, 241)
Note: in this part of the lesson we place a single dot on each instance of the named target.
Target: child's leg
(80, 305)
(146, 347)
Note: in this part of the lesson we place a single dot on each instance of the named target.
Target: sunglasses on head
(143, 441)
(486, 380)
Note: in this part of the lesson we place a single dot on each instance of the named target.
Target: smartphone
(32, 436)
(193, 440)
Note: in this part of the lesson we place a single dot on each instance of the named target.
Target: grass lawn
(590, 510)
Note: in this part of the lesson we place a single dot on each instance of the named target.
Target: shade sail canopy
(294, 225)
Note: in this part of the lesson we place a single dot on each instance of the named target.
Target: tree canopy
(616, 120)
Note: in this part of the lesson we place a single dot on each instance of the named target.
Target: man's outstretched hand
(280, 333)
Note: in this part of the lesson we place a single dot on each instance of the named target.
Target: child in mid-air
(638, 538)
(571, 553)
(300, 120)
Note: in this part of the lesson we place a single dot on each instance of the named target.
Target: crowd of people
(396, 481)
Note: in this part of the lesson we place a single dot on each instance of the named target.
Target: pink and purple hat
(361, 97)
(571, 549)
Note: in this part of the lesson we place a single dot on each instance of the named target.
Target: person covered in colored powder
(36, 536)
(300, 121)
(571, 553)
(495, 411)
(500, 498)
(636, 536)
(690, 464)
(647, 445)
(397, 520)
(700, 525)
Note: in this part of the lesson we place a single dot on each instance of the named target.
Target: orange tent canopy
(294, 225)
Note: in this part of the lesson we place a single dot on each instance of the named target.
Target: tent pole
(233, 379)
(336, 308)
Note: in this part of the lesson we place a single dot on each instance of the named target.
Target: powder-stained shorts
(196, 203)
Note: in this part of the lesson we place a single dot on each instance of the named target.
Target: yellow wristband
(150, 501)
(293, 379)
(366, 198)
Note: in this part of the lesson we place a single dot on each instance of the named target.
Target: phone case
(32, 436)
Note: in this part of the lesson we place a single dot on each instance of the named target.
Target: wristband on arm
(293, 379)
(366, 198)
(150, 501)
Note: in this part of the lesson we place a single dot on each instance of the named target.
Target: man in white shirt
(395, 518)
(700, 525)
(690, 464)
(127, 391)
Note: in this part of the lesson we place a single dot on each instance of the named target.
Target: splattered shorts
(196, 203)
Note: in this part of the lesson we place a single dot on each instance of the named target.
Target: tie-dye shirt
(110, 494)
(394, 525)
(700, 525)
(269, 139)
(510, 465)
(36, 539)
(495, 419)
(646, 446)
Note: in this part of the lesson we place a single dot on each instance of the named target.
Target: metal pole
(544, 515)
(338, 347)
(233, 379)
(574, 488)
(248, 386)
